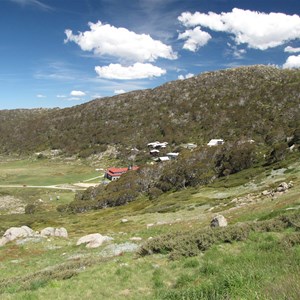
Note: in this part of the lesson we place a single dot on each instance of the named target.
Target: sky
(61, 53)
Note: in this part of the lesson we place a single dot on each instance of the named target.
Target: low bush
(191, 243)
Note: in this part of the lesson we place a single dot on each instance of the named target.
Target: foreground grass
(265, 265)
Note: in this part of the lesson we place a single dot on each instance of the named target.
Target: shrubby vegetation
(192, 242)
(193, 168)
(259, 103)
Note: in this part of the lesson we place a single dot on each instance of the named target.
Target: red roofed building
(115, 173)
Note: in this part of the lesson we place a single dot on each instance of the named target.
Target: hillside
(257, 102)
(154, 223)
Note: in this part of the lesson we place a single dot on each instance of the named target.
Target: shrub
(30, 209)
(191, 243)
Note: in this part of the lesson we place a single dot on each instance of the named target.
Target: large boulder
(218, 221)
(51, 231)
(61, 232)
(283, 186)
(93, 240)
(3, 241)
(14, 233)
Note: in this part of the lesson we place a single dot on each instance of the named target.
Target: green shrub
(30, 209)
(191, 243)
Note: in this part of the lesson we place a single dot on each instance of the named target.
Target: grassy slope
(260, 267)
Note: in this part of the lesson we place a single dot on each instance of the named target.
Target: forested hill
(257, 102)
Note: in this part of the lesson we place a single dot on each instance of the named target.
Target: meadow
(262, 265)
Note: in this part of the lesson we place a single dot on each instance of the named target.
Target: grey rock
(14, 233)
(136, 238)
(283, 186)
(61, 232)
(3, 241)
(93, 240)
(218, 221)
(266, 193)
(115, 250)
(51, 231)
(48, 231)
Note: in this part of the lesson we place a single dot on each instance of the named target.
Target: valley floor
(263, 265)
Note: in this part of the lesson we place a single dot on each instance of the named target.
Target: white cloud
(235, 51)
(104, 39)
(61, 96)
(210, 20)
(290, 49)
(77, 94)
(256, 29)
(182, 77)
(292, 62)
(118, 92)
(195, 38)
(40, 96)
(136, 71)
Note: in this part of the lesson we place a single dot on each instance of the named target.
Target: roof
(157, 144)
(174, 154)
(215, 142)
(164, 158)
(119, 171)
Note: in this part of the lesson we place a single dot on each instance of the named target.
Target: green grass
(263, 266)
(44, 172)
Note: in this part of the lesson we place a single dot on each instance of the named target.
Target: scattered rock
(218, 221)
(93, 240)
(14, 233)
(3, 241)
(136, 238)
(124, 221)
(115, 250)
(150, 225)
(283, 186)
(161, 223)
(290, 184)
(51, 231)
(61, 232)
(265, 193)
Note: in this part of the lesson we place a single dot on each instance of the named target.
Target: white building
(215, 142)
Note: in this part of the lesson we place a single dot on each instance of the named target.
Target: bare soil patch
(11, 205)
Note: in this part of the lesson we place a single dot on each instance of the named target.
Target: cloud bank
(256, 29)
(290, 49)
(77, 94)
(105, 39)
(292, 62)
(135, 71)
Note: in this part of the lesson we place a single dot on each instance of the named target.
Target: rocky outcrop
(283, 186)
(93, 240)
(14, 233)
(115, 250)
(24, 232)
(51, 231)
(218, 221)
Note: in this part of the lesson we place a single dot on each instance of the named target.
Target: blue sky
(61, 53)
